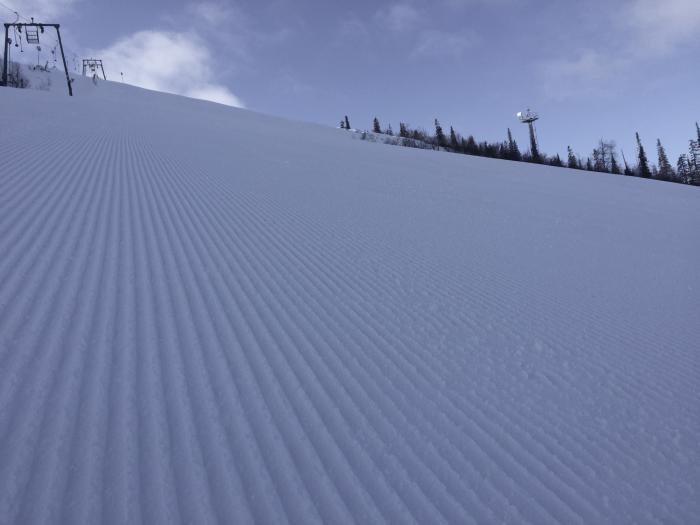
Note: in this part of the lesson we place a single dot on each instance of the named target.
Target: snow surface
(208, 314)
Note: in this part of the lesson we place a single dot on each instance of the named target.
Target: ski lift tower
(93, 64)
(32, 31)
(530, 117)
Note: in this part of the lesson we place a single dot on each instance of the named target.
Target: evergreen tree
(598, 162)
(589, 164)
(440, 135)
(534, 150)
(489, 150)
(665, 169)
(376, 128)
(614, 167)
(403, 130)
(347, 123)
(628, 171)
(342, 124)
(694, 159)
(556, 161)
(454, 143)
(513, 150)
(389, 131)
(571, 161)
(694, 162)
(471, 148)
(683, 170)
(643, 165)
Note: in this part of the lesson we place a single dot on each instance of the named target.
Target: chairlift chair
(31, 35)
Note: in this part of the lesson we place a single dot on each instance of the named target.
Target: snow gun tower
(32, 30)
(92, 65)
(530, 117)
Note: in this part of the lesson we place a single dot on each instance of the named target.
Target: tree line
(604, 157)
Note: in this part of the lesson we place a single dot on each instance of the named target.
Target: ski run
(211, 315)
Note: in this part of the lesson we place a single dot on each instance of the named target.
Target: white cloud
(647, 30)
(172, 62)
(215, 93)
(662, 25)
(212, 13)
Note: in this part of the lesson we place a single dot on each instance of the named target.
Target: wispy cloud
(648, 30)
(214, 13)
(589, 73)
(472, 3)
(426, 40)
(398, 17)
(172, 62)
(44, 10)
(435, 43)
(661, 26)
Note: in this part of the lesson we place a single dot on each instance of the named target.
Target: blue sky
(592, 69)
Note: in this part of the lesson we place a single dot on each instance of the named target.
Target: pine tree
(454, 143)
(403, 130)
(556, 161)
(347, 123)
(342, 124)
(389, 131)
(376, 128)
(513, 150)
(534, 150)
(643, 165)
(440, 135)
(665, 169)
(683, 169)
(614, 167)
(598, 163)
(694, 161)
(589, 164)
(628, 171)
(488, 150)
(571, 161)
(470, 146)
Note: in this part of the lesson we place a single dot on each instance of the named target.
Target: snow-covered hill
(208, 314)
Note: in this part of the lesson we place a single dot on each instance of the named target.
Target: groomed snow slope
(208, 315)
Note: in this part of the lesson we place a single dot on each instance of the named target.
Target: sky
(592, 69)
